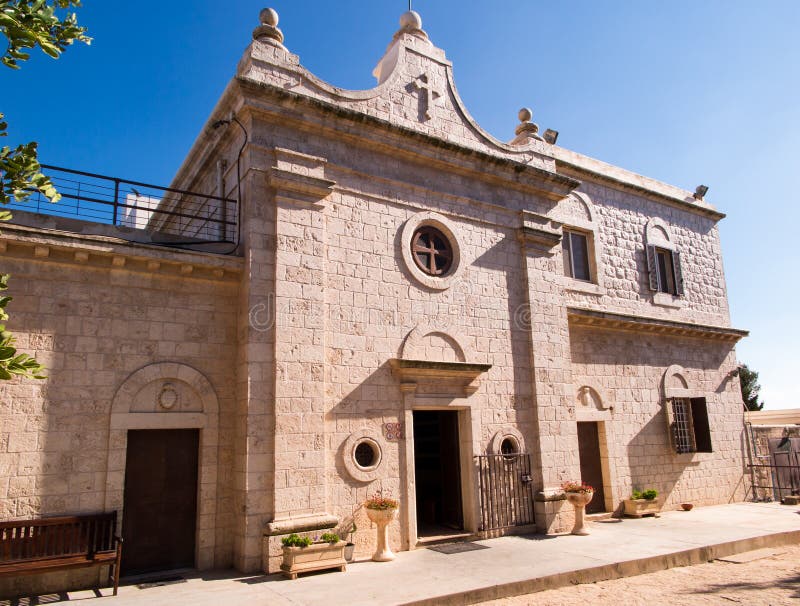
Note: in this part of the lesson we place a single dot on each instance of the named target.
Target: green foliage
(295, 540)
(748, 380)
(12, 363)
(20, 174)
(649, 494)
(330, 537)
(30, 23)
(27, 24)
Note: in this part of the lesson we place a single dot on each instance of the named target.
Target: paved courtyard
(515, 565)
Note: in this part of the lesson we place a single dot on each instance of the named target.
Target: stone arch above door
(430, 342)
(168, 395)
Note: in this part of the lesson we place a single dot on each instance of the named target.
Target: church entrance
(159, 516)
(437, 471)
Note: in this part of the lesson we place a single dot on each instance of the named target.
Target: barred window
(689, 425)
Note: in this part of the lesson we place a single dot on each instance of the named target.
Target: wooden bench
(34, 546)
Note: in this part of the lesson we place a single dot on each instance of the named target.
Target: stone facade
(322, 332)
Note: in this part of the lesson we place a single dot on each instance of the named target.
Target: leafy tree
(27, 24)
(748, 379)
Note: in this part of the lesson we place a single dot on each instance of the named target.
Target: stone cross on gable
(428, 94)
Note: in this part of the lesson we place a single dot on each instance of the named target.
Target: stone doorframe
(467, 430)
(175, 380)
(593, 405)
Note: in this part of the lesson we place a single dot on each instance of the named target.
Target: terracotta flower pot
(687, 506)
(382, 517)
(579, 500)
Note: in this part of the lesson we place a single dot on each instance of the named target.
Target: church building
(375, 294)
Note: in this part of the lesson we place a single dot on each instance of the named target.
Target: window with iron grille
(688, 419)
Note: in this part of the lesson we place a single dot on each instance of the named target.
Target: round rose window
(432, 251)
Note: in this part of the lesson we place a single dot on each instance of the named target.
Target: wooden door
(159, 517)
(591, 465)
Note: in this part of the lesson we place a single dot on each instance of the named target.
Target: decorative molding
(496, 443)
(417, 371)
(600, 319)
(450, 232)
(299, 178)
(539, 232)
(375, 440)
(300, 524)
(22, 242)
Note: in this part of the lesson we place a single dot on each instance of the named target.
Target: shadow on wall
(650, 449)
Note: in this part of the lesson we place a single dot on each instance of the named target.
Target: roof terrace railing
(170, 215)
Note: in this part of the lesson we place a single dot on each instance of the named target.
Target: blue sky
(688, 92)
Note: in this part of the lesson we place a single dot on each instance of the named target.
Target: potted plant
(301, 554)
(381, 510)
(347, 535)
(643, 503)
(579, 494)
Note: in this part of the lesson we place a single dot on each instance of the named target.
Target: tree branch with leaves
(28, 24)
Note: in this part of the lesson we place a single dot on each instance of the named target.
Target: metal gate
(506, 490)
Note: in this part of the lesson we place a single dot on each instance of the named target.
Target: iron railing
(169, 213)
(775, 477)
(506, 490)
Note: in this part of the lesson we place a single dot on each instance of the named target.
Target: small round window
(509, 447)
(432, 251)
(366, 454)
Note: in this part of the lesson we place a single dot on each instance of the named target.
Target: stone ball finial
(268, 16)
(410, 20)
(268, 30)
(525, 114)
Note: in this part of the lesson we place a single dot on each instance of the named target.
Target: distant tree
(27, 24)
(748, 379)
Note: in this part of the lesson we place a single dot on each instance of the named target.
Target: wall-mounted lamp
(700, 192)
(551, 136)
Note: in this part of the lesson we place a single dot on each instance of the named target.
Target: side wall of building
(94, 319)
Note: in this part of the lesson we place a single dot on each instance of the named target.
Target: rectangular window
(575, 250)
(665, 271)
(689, 424)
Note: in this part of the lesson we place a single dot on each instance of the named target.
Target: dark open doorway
(591, 464)
(159, 515)
(437, 470)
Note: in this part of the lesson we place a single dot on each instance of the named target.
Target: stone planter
(318, 556)
(382, 517)
(637, 508)
(579, 500)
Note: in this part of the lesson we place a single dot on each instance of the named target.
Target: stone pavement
(506, 566)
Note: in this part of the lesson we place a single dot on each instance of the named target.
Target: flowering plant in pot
(579, 494)
(302, 554)
(642, 503)
(382, 509)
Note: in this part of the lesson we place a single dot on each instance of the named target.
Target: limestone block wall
(95, 313)
(628, 369)
(619, 220)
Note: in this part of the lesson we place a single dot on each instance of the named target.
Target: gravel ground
(771, 579)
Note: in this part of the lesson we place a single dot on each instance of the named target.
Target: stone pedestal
(382, 517)
(579, 500)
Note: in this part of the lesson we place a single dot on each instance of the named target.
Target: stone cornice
(548, 184)
(539, 232)
(54, 246)
(640, 324)
(412, 372)
(628, 182)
